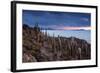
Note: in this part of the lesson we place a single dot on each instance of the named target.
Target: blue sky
(60, 20)
(47, 19)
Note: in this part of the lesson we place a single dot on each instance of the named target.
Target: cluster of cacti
(38, 46)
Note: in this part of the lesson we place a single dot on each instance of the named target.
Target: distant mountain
(40, 47)
(47, 29)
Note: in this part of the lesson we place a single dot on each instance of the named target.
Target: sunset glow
(76, 28)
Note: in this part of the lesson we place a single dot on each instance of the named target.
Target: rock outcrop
(40, 47)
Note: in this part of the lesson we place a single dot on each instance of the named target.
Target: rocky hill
(40, 47)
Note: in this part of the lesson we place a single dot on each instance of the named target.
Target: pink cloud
(76, 28)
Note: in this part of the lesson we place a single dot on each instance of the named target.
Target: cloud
(85, 19)
(76, 28)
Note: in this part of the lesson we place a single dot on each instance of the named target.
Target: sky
(60, 21)
(57, 20)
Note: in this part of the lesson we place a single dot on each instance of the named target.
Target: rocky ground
(40, 47)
